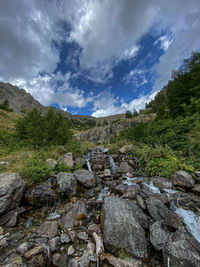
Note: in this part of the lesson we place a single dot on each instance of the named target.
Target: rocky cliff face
(18, 99)
(100, 135)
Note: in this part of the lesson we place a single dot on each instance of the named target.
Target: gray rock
(182, 250)
(11, 191)
(161, 182)
(125, 149)
(4, 163)
(54, 244)
(183, 179)
(74, 213)
(121, 226)
(124, 167)
(70, 251)
(158, 236)
(67, 183)
(51, 163)
(1, 230)
(56, 258)
(24, 247)
(86, 178)
(48, 229)
(64, 238)
(132, 191)
(82, 236)
(141, 202)
(41, 195)
(93, 228)
(67, 159)
(196, 189)
(160, 212)
(10, 219)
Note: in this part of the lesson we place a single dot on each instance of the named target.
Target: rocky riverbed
(101, 215)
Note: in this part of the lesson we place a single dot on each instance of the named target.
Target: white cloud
(45, 90)
(136, 77)
(164, 42)
(106, 104)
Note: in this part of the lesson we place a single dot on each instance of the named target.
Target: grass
(8, 120)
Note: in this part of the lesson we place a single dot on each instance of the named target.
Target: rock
(182, 250)
(160, 212)
(64, 238)
(125, 149)
(70, 251)
(86, 178)
(10, 219)
(48, 229)
(1, 230)
(67, 183)
(124, 167)
(121, 227)
(75, 213)
(158, 236)
(183, 179)
(107, 173)
(51, 163)
(93, 228)
(56, 258)
(67, 160)
(34, 251)
(41, 195)
(82, 236)
(197, 174)
(116, 262)
(4, 163)
(24, 247)
(72, 235)
(161, 182)
(12, 188)
(3, 244)
(196, 189)
(132, 191)
(54, 244)
(141, 202)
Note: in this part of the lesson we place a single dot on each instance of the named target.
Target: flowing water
(113, 166)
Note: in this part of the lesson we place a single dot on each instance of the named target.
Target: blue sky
(95, 57)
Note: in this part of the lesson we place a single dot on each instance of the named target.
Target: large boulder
(161, 182)
(41, 195)
(183, 179)
(122, 228)
(86, 178)
(158, 236)
(67, 159)
(182, 250)
(160, 212)
(12, 188)
(48, 229)
(124, 167)
(74, 213)
(67, 183)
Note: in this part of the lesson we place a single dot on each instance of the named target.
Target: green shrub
(35, 169)
(61, 167)
(5, 106)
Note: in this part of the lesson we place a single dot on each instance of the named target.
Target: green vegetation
(175, 133)
(5, 106)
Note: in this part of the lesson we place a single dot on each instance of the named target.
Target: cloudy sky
(95, 57)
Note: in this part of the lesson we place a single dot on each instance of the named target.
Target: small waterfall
(153, 188)
(113, 166)
(191, 220)
(103, 193)
(88, 163)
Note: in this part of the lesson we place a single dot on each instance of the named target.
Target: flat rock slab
(122, 228)
(48, 229)
(74, 213)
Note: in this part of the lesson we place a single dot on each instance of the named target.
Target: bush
(35, 170)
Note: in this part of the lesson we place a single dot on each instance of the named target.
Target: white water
(113, 166)
(128, 180)
(153, 188)
(191, 220)
(102, 193)
(169, 191)
(54, 215)
(88, 164)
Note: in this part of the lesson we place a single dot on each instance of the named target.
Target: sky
(95, 57)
